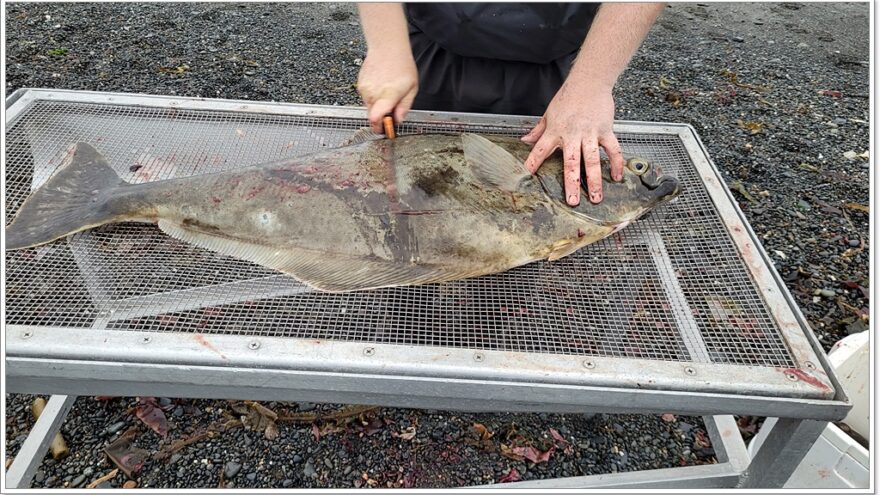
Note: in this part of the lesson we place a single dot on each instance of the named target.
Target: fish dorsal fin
(327, 271)
(493, 164)
(362, 135)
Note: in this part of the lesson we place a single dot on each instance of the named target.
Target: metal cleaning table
(680, 312)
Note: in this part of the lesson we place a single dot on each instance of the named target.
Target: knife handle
(388, 123)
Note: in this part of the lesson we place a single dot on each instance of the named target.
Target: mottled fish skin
(431, 210)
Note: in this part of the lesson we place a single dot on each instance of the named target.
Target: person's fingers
(593, 169)
(378, 110)
(405, 105)
(542, 149)
(535, 134)
(571, 153)
(612, 149)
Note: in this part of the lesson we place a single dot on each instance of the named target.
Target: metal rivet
(146, 340)
(791, 376)
(478, 356)
(369, 351)
(690, 370)
(254, 344)
(26, 335)
(589, 364)
(809, 365)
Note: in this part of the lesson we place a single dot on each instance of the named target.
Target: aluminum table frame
(70, 361)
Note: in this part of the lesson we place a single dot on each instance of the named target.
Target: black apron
(496, 57)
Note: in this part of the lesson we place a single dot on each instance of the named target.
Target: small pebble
(78, 481)
(827, 293)
(309, 470)
(328, 462)
(854, 242)
(128, 485)
(251, 476)
(116, 427)
(287, 483)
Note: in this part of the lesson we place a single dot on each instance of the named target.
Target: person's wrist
(589, 84)
(390, 51)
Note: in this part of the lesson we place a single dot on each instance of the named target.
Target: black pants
(450, 82)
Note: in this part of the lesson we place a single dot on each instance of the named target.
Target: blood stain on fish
(254, 191)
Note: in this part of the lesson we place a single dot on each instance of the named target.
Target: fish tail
(75, 198)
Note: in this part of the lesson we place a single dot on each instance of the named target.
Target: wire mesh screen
(670, 287)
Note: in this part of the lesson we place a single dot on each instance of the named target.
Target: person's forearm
(384, 26)
(616, 33)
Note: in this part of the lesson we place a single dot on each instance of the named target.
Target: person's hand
(388, 83)
(578, 120)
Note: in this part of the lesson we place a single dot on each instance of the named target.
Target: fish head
(642, 188)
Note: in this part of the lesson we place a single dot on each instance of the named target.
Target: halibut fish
(377, 213)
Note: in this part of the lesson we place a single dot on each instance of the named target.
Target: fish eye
(638, 165)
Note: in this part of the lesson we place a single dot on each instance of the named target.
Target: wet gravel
(777, 92)
(445, 450)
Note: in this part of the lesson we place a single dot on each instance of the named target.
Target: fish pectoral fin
(562, 249)
(493, 164)
(362, 135)
(331, 272)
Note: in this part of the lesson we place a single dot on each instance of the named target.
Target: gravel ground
(777, 92)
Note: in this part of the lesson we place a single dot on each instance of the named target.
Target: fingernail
(596, 197)
(573, 200)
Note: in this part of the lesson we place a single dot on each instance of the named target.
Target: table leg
(783, 449)
(34, 449)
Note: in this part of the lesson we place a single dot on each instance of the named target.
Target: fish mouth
(664, 187)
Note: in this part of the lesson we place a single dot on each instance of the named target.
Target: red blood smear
(254, 191)
(303, 189)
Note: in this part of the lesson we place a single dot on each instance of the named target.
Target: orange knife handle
(388, 123)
